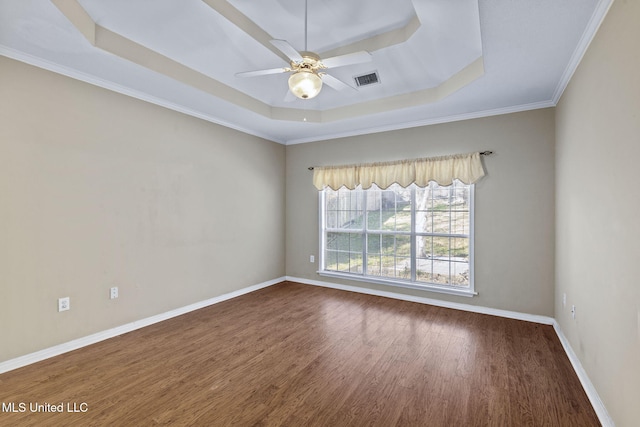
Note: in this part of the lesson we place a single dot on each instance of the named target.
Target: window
(413, 237)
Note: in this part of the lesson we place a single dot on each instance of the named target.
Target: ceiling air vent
(367, 79)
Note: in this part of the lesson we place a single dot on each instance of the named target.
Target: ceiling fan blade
(284, 47)
(262, 72)
(348, 59)
(334, 83)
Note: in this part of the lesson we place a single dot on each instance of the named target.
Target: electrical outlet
(564, 300)
(113, 292)
(573, 311)
(312, 258)
(64, 304)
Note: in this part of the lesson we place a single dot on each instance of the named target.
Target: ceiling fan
(307, 68)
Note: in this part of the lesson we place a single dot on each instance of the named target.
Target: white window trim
(432, 287)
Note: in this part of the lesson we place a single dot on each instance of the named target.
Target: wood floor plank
(299, 355)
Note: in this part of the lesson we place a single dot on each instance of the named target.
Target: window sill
(402, 284)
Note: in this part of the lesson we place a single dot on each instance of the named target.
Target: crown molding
(77, 75)
(426, 122)
(123, 90)
(585, 41)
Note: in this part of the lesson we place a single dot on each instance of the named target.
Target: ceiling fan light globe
(305, 85)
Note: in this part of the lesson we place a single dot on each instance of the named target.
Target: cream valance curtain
(443, 170)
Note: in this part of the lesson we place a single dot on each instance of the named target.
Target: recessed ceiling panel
(187, 31)
(331, 23)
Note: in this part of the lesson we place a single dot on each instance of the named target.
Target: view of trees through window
(411, 234)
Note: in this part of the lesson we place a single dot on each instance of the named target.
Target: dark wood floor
(299, 355)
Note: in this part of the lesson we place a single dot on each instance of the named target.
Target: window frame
(412, 283)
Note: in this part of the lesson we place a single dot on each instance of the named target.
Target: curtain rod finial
(310, 168)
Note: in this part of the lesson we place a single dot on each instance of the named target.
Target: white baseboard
(592, 394)
(47, 353)
(589, 389)
(545, 320)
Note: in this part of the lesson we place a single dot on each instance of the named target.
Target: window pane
(373, 210)
(424, 222)
(432, 263)
(439, 194)
(374, 244)
(424, 210)
(355, 242)
(330, 199)
(331, 207)
(440, 221)
(374, 264)
(389, 209)
(403, 245)
(387, 269)
(388, 220)
(460, 262)
(460, 249)
(429, 270)
(460, 273)
(423, 198)
(344, 252)
(343, 261)
(440, 272)
(440, 248)
(423, 270)
(461, 196)
(373, 220)
(395, 267)
(423, 246)
(331, 242)
(389, 255)
(403, 268)
(442, 214)
(388, 244)
(403, 219)
(460, 222)
(443, 260)
(343, 209)
(331, 260)
(460, 209)
(332, 219)
(432, 247)
(350, 219)
(355, 262)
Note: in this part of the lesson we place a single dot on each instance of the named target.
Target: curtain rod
(482, 153)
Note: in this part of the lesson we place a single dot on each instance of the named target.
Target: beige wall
(98, 189)
(514, 240)
(598, 230)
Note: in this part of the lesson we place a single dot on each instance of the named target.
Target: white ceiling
(438, 60)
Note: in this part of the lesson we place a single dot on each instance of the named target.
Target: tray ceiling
(437, 60)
